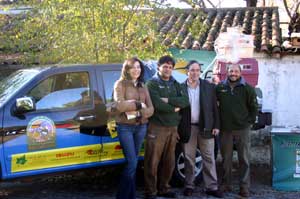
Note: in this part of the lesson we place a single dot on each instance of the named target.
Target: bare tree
(211, 3)
(287, 8)
(291, 7)
(251, 3)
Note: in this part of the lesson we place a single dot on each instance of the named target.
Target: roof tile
(177, 30)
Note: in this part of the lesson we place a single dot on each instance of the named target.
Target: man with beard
(238, 110)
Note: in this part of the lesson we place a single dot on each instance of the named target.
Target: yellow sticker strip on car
(66, 156)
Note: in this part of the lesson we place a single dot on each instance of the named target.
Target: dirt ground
(99, 184)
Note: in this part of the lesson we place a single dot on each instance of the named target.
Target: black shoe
(188, 192)
(150, 197)
(216, 193)
(226, 188)
(169, 194)
(244, 192)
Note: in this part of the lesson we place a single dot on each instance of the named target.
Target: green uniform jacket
(238, 106)
(164, 113)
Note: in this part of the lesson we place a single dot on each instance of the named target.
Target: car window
(11, 84)
(109, 78)
(62, 91)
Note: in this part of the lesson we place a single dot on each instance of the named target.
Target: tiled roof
(177, 29)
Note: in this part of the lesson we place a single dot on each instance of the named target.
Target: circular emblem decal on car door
(41, 133)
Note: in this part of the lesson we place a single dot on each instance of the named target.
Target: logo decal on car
(21, 160)
(41, 133)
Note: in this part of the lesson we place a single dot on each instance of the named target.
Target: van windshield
(12, 83)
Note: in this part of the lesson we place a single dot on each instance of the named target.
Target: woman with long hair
(134, 109)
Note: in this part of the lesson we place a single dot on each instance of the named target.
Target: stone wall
(261, 146)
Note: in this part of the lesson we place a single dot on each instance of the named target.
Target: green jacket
(238, 107)
(164, 113)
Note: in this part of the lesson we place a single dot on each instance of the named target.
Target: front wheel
(179, 176)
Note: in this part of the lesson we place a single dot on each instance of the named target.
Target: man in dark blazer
(203, 124)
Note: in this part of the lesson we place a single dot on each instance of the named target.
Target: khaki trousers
(206, 147)
(241, 138)
(159, 159)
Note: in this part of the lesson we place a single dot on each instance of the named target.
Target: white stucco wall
(279, 79)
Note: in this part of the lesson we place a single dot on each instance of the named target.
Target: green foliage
(94, 31)
(197, 28)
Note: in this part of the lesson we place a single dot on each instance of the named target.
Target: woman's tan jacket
(128, 97)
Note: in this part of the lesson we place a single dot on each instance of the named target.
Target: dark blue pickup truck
(54, 119)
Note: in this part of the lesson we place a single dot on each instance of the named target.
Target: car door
(60, 134)
(112, 150)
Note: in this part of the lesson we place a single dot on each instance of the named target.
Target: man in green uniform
(167, 98)
(238, 110)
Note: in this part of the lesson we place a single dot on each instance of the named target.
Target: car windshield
(12, 83)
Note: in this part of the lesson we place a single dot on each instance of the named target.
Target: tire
(178, 175)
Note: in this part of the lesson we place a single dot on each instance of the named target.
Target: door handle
(10, 133)
(88, 117)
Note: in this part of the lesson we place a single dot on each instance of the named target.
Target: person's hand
(177, 137)
(177, 109)
(111, 106)
(215, 132)
(164, 99)
(144, 105)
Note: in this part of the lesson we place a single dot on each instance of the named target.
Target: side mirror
(208, 75)
(24, 104)
(263, 119)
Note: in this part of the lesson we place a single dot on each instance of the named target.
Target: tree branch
(287, 9)
(295, 7)
(202, 4)
(211, 3)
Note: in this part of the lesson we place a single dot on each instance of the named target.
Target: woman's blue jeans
(131, 139)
